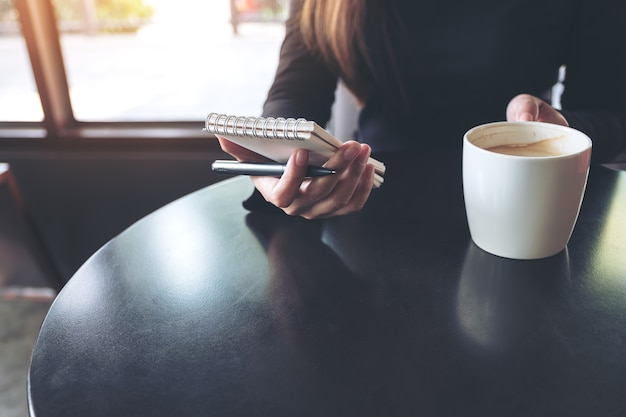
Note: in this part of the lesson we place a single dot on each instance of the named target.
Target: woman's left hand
(525, 107)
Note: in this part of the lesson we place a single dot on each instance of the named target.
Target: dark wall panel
(80, 201)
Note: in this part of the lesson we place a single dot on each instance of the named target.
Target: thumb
(526, 117)
(523, 108)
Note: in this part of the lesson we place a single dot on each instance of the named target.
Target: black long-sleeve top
(466, 60)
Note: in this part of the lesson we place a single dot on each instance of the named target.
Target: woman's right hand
(333, 195)
(525, 107)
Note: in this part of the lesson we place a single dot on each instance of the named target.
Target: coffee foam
(541, 148)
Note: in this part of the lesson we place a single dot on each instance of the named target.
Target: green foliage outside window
(88, 15)
(70, 10)
(106, 10)
(7, 13)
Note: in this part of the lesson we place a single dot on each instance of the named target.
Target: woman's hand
(525, 107)
(332, 195)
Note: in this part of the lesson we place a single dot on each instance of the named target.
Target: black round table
(203, 308)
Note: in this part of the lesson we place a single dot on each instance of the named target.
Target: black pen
(270, 169)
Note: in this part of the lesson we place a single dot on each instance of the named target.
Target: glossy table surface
(204, 308)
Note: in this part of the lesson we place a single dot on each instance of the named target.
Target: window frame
(59, 128)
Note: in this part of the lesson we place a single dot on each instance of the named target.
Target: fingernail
(301, 158)
(364, 157)
(351, 152)
(526, 117)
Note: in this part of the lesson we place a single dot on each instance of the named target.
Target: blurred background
(147, 60)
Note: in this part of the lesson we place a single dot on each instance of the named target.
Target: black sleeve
(594, 99)
(304, 86)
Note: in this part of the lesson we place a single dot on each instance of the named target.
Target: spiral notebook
(277, 138)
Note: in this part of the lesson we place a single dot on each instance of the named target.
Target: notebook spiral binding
(266, 127)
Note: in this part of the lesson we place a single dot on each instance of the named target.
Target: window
(177, 61)
(19, 99)
(138, 60)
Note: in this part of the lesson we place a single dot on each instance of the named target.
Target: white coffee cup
(520, 206)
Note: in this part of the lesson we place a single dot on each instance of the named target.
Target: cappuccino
(541, 148)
